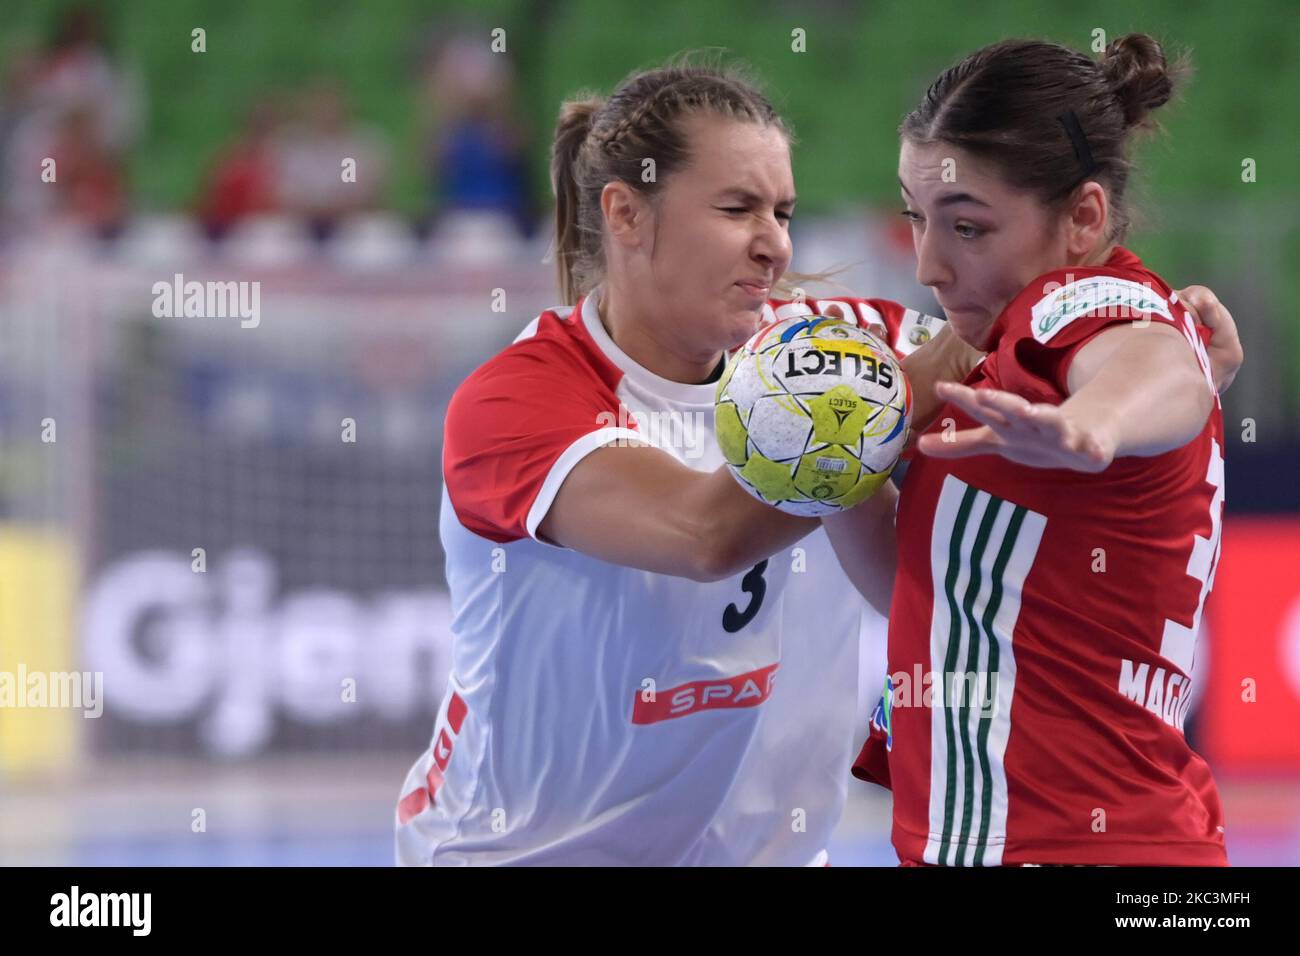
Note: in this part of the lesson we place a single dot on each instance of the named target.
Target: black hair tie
(1080, 142)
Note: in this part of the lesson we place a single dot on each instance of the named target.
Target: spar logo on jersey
(1100, 295)
(744, 690)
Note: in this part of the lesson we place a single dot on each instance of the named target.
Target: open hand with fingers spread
(1040, 435)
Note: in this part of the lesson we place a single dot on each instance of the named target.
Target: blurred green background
(180, 432)
(865, 65)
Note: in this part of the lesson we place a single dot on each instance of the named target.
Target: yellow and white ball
(812, 414)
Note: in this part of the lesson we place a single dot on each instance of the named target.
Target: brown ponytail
(571, 132)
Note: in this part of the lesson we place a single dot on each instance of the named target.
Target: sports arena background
(223, 515)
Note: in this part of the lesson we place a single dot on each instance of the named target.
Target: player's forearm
(1147, 399)
(945, 358)
(639, 508)
(865, 541)
(734, 530)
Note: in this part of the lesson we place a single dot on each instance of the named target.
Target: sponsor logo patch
(1100, 295)
(744, 690)
(915, 330)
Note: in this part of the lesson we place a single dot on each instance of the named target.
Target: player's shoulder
(1069, 302)
(902, 328)
(553, 370)
(554, 350)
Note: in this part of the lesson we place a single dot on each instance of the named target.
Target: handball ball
(812, 414)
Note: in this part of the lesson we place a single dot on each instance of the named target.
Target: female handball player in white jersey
(645, 670)
(1056, 550)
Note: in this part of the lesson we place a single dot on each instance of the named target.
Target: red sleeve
(515, 429)
(903, 329)
(872, 764)
(1047, 331)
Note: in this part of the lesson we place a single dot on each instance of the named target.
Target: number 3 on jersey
(1178, 644)
(733, 619)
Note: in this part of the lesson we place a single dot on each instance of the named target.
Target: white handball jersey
(599, 714)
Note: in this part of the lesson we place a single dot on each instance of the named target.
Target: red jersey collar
(1119, 258)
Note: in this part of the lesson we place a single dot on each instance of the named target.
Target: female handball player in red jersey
(1059, 530)
(644, 670)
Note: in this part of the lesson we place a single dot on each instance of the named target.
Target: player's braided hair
(598, 141)
(1050, 117)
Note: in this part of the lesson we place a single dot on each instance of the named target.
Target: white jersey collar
(676, 391)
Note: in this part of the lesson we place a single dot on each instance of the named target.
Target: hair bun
(1137, 72)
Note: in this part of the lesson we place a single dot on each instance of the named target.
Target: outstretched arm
(1133, 391)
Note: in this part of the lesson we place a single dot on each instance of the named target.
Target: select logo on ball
(812, 414)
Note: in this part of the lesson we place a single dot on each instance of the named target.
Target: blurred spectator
(79, 71)
(479, 150)
(244, 177)
(25, 134)
(73, 103)
(91, 186)
(311, 156)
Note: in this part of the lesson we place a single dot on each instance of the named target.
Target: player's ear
(1086, 219)
(625, 211)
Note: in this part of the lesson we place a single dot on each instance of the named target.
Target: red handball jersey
(600, 714)
(1044, 623)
